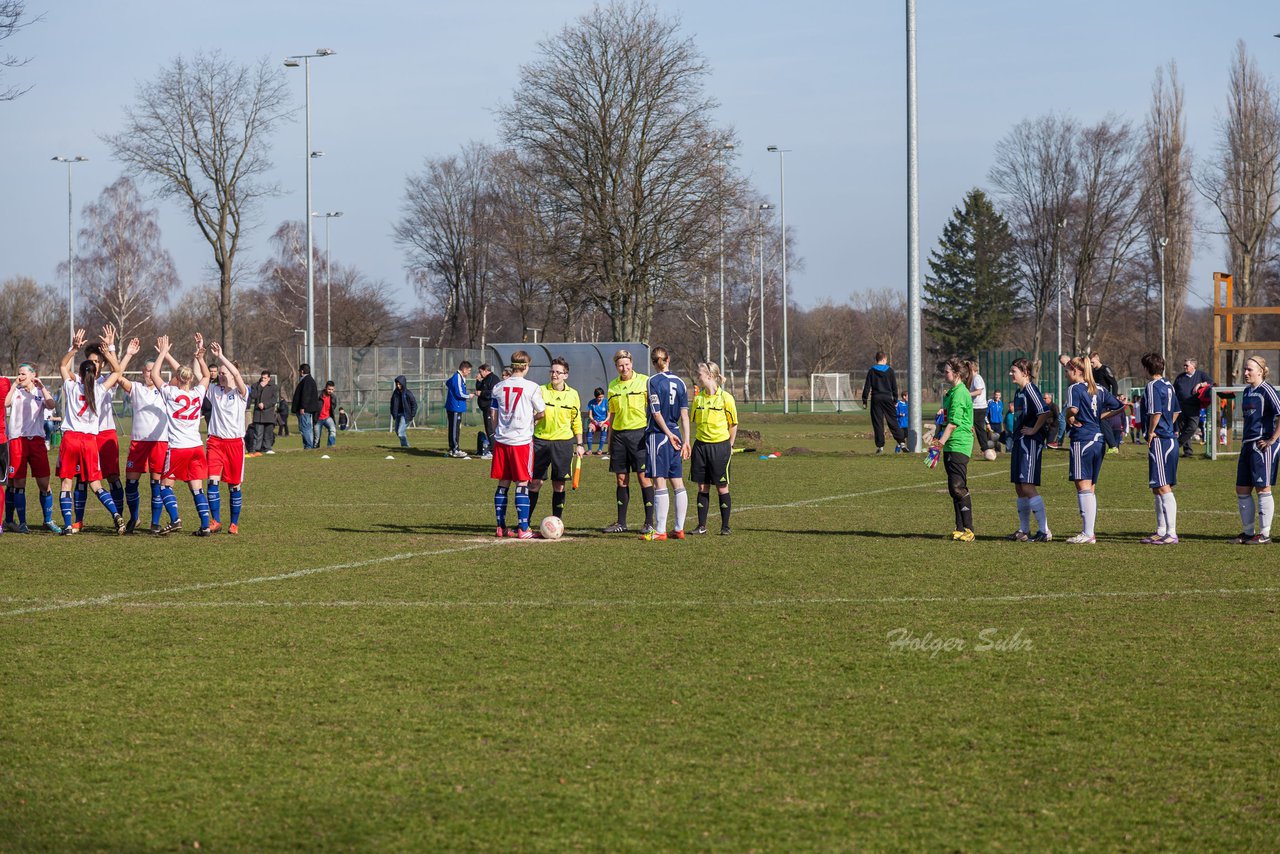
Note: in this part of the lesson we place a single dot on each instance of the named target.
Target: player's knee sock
(660, 506)
(1266, 510)
(1162, 524)
(170, 500)
(117, 494)
(237, 502)
(1245, 505)
(19, 505)
(1170, 514)
(624, 499)
(108, 502)
(557, 504)
(67, 506)
(132, 498)
(647, 493)
(215, 501)
(1037, 507)
(500, 505)
(726, 506)
(1088, 511)
(202, 507)
(682, 508)
(704, 504)
(533, 501)
(1024, 515)
(81, 499)
(157, 502)
(966, 511)
(522, 507)
(46, 506)
(7, 502)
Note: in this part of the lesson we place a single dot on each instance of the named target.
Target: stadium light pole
(760, 228)
(304, 59)
(1057, 256)
(71, 257)
(1164, 341)
(915, 352)
(782, 212)
(328, 294)
(720, 152)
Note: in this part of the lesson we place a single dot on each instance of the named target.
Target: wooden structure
(1224, 330)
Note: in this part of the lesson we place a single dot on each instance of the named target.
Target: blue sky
(414, 79)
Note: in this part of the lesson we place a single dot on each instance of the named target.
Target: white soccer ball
(989, 454)
(551, 528)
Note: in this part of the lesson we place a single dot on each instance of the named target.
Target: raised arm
(216, 349)
(198, 365)
(64, 367)
(162, 358)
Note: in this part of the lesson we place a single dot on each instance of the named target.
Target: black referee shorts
(556, 454)
(626, 452)
(709, 463)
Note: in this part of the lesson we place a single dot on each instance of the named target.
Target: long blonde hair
(1084, 366)
(713, 370)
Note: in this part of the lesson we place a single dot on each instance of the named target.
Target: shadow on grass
(849, 532)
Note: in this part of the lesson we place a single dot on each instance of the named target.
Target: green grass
(428, 688)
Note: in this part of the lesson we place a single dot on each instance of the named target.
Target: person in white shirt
(517, 404)
(182, 401)
(978, 391)
(149, 440)
(83, 398)
(225, 455)
(26, 404)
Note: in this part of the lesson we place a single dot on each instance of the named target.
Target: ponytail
(89, 379)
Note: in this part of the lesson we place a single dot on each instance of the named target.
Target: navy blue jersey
(667, 396)
(1261, 405)
(1159, 399)
(1028, 405)
(1089, 407)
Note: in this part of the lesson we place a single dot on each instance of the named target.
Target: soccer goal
(1224, 421)
(831, 393)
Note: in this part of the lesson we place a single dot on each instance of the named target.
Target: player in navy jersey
(1256, 470)
(665, 444)
(1160, 411)
(1031, 414)
(1088, 407)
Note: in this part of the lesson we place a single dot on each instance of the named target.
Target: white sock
(1024, 515)
(1266, 510)
(660, 506)
(1170, 513)
(1245, 503)
(1162, 526)
(1042, 518)
(1088, 511)
(682, 508)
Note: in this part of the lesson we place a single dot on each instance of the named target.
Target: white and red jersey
(183, 407)
(26, 414)
(226, 418)
(150, 417)
(5, 385)
(107, 414)
(76, 415)
(515, 402)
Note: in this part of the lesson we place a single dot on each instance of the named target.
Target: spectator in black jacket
(1186, 387)
(264, 396)
(306, 405)
(485, 382)
(880, 389)
(1103, 376)
(282, 418)
(404, 406)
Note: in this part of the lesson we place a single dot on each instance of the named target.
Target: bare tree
(613, 114)
(1243, 184)
(33, 325)
(124, 270)
(13, 19)
(199, 133)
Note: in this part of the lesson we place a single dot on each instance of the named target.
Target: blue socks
(46, 506)
(107, 502)
(202, 507)
(17, 505)
(117, 494)
(237, 501)
(215, 502)
(67, 506)
(10, 501)
(157, 503)
(131, 497)
(81, 497)
(500, 505)
(170, 502)
(522, 507)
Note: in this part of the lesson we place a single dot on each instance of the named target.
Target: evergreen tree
(969, 298)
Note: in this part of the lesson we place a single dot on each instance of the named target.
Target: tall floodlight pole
(1164, 340)
(1057, 257)
(760, 229)
(71, 255)
(786, 293)
(293, 62)
(328, 294)
(915, 352)
(720, 152)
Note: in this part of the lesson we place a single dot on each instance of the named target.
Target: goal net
(831, 393)
(1224, 422)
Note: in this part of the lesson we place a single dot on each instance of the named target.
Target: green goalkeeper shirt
(959, 406)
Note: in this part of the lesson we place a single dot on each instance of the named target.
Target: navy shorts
(1162, 462)
(1257, 466)
(664, 460)
(1086, 459)
(1024, 462)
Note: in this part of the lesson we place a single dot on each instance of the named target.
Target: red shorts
(226, 460)
(512, 462)
(186, 464)
(109, 454)
(147, 457)
(27, 453)
(78, 457)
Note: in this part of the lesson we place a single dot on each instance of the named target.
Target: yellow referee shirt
(563, 419)
(713, 415)
(629, 403)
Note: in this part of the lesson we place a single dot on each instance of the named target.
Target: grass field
(366, 668)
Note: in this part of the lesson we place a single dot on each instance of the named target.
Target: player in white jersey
(225, 455)
(182, 401)
(25, 405)
(517, 404)
(83, 398)
(104, 361)
(148, 442)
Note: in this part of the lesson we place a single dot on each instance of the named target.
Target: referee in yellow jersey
(557, 438)
(628, 415)
(715, 427)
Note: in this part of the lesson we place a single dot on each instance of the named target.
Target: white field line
(445, 604)
(808, 501)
